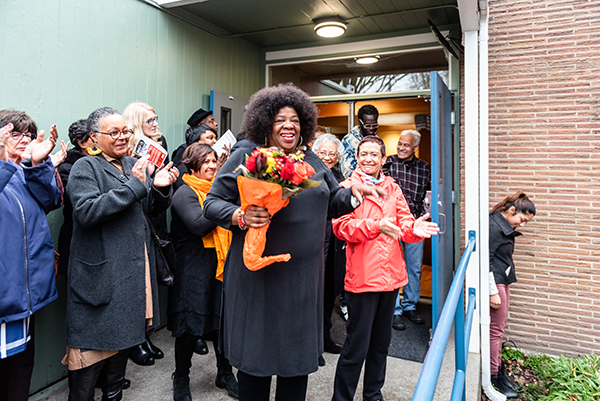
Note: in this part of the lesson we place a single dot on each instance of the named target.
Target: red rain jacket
(374, 261)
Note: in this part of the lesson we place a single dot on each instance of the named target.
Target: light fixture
(367, 60)
(330, 27)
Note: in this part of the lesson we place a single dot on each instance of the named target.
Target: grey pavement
(154, 382)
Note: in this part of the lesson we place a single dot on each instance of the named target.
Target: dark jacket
(273, 317)
(106, 298)
(27, 262)
(177, 157)
(502, 246)
(335, 252)
(195, 298)
(160, 220)
(66, 230)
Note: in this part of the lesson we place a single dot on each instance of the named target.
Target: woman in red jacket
(375, 270)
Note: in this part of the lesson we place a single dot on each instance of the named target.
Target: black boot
(501, 387)
(140, 355)
(82, 382)
(228, 381)
(508, 382)
(181, 388)
(153, 349)
(113, 380)
(201, 347)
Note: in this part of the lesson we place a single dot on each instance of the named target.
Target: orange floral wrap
(269, 196)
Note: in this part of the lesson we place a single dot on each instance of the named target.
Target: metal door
(442, 247)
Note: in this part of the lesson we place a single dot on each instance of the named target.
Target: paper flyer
(227, 139)
(146, 146)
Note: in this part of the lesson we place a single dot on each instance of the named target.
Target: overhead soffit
(287, 23)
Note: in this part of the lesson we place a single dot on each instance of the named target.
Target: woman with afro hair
(273, 318)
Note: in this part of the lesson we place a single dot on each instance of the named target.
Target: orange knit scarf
(219, 238)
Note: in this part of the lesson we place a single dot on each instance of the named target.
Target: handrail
(433, 361)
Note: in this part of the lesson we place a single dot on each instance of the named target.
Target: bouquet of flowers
(269, 179)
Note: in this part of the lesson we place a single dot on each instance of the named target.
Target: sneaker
(344, 311)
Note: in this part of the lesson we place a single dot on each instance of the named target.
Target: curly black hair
(266, 103)
(78, 132)
(369, 110)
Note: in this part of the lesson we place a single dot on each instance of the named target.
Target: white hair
(329, 138)
(415, 134)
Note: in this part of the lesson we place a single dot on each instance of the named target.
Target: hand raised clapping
(166, 176)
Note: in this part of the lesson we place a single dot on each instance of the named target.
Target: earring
(301, 139)
(94, 151)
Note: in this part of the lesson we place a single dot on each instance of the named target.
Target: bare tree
(375, 83)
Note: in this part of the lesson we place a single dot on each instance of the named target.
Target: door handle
(444, 230)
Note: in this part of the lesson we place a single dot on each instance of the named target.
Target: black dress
(273, 317)
(195, 298)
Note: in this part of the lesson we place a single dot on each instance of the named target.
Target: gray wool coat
(106, 298)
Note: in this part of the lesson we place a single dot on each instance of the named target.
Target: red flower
(251, 162)
(287, 172)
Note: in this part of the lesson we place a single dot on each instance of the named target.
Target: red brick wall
(544, 83)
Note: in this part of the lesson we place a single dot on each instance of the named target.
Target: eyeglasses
(116, 133)
(18, 135)
(331, 155)
(368, 126)
(151, 120)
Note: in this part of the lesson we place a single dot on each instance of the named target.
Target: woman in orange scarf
(201, 247)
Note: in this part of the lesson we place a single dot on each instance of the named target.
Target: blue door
(442, 258)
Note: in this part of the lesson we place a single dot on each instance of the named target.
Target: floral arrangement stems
(269, 196)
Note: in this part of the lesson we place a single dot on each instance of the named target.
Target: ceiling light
(367, 60)
(330, 27)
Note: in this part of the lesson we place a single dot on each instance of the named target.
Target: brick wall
(544, 66)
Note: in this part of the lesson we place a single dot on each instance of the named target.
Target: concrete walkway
(154, 382)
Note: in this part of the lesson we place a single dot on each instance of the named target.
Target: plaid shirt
(414, 178)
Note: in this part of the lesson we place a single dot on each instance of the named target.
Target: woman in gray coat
(112, 292)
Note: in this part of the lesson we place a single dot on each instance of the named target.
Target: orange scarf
(219, 238)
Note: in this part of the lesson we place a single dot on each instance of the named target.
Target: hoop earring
(94, 151)
(300, 143)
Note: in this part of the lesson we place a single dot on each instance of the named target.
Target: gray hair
(415, 134)
(93, 121)
(329, 138)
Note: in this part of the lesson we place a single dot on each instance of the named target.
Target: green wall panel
(61, 59)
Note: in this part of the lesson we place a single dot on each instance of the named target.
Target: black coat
(159, 221)
(195, 298)
(335, 252)
(502, 246)
(106, 295)
(66, 230)
(177, 157)
(273, 317)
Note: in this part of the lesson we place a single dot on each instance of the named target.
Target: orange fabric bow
(267, 195)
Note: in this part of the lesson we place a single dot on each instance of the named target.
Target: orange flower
(302, 171)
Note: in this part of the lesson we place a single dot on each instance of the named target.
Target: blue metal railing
(454, 306)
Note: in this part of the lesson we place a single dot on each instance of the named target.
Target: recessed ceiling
(284, 23)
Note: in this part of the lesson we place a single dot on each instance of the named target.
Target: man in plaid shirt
(413, 175)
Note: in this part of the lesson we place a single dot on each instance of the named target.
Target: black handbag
(165, 258)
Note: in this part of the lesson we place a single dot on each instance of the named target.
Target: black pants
(368, 336)
(83, 381)
(16, 370)
(184, 350)
(258, 388)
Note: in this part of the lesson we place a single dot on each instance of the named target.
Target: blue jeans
(413, 258)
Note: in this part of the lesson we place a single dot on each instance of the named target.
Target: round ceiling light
(330, 29)
(367, 60)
